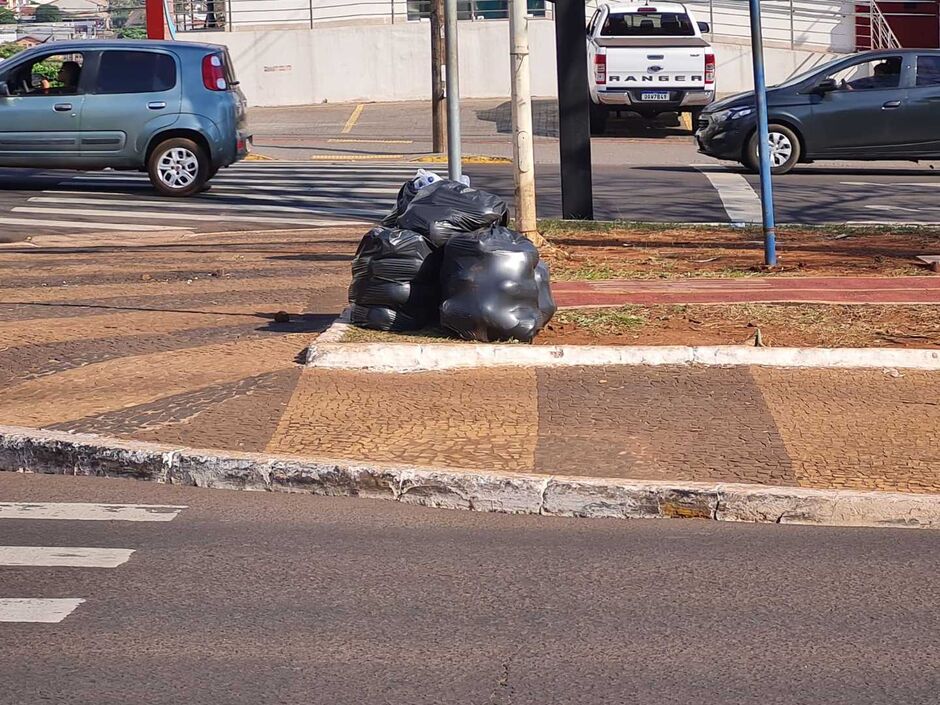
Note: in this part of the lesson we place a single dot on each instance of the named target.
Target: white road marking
(897, 208)
(82, 511)
(212, 204)
(206, 204)
(739, 199)
(63, 556)
(889, 184)
(37, 610)
(331, 192)
(73, 225)
(149, 215)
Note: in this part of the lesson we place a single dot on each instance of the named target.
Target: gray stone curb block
(56, 452)
(411, 357)
(74, 454)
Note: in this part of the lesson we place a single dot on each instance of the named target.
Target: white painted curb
(410, 357)
(53, 452)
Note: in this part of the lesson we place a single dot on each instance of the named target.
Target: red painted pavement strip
(834, 290)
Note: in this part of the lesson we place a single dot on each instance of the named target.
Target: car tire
(785, 151)
(178, 167)
(599, 117)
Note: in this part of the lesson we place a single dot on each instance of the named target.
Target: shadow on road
(545, 122)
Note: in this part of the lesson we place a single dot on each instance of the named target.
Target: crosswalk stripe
(150, 215)
(37, 610)
(63, 556)
(85, 226)
(198, 205)
(212, 204)
(84, 511)
(289, 188)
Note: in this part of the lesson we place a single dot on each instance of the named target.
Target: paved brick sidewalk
(827, 290)
(174, 341)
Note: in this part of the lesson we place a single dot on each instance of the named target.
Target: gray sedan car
(172, 109)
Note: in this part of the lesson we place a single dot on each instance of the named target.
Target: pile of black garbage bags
(445, 256)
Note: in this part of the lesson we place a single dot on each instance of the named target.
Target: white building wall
(392, 62)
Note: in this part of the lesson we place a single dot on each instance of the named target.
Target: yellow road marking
(467, 159)
(353, 119)
(355, 141)
(353, 157)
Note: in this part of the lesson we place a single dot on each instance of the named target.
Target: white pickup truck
(649, 59)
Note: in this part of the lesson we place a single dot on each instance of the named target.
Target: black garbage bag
(448, 208)
(395, 284)
(405, 195)
(494, 287)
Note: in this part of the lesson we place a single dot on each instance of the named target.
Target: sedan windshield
(799, 78)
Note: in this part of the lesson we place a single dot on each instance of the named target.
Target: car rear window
(928, 70)
(135, 72)
(648, 24)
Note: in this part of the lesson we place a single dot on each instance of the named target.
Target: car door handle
(62, 107)
(157, 105)
(891, 104)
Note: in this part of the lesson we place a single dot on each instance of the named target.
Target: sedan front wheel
(785, 150)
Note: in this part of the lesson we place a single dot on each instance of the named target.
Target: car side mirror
(826, 86)
(704, 27)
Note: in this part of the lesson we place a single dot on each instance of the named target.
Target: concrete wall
(392, 62)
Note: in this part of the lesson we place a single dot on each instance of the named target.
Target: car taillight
(600, 69)
(213, 73)
(709, 69)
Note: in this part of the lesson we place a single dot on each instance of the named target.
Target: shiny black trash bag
(448, 208)
(405, 195)
(395, 283)
(494, 287)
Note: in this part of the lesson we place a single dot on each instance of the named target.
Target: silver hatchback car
(173, 109)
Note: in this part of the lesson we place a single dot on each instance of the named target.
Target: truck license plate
(654, 96)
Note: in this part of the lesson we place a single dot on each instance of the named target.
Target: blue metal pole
(760, 90)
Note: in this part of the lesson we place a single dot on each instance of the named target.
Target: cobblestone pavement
(175, 341)
(834, 290)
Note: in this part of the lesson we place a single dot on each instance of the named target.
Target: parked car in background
(172, 109)
(648, 59)
(881, 105)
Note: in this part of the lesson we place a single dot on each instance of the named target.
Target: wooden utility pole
(522, 148)
(438, 110)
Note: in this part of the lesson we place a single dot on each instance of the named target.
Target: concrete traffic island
(29, 450)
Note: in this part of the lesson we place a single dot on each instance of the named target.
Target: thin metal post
(310, 5)
(711, 16)
(454, 157)
(763, 142)
(228, 14)
(523, 151)
(792, 28)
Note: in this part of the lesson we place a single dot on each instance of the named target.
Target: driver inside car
(887, 74)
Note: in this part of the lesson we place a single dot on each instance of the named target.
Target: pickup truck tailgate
(664, 67)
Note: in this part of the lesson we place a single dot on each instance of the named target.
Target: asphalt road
(642, 171)
(261, 598)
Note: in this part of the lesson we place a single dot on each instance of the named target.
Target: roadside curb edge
(327, 352)
(57, 452)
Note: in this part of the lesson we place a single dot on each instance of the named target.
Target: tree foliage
(48, 13)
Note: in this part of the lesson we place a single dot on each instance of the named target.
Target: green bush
(8, 50)
(48, 13)
(132, 33)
